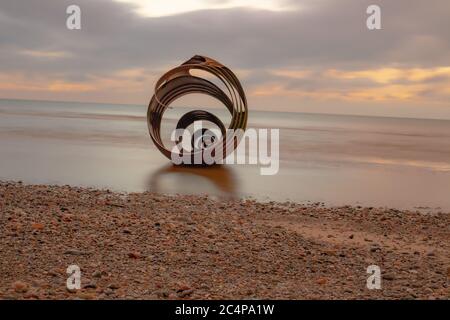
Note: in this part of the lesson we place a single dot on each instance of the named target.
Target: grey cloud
(324, 34)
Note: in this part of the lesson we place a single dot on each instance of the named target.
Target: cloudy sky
(291, 55)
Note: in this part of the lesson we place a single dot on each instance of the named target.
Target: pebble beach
(156, 246)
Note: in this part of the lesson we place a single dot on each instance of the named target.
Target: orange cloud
(69, 86)
(126, 80)
(296, 74)
(19, 82)
(44, 54)
(383, 93)
(135, 84)
(389, 75)
(385, 88)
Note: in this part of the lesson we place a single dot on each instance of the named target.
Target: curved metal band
(178, 82)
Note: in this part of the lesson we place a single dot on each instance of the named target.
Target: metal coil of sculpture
(179, 82)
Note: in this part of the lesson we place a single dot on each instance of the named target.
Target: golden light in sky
(158, 8)
(305, 55)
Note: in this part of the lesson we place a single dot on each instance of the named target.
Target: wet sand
(339, 160)
(154, 246)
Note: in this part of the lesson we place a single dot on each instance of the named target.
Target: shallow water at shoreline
(339, 160)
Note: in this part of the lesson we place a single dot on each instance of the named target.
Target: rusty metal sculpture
(179, 82)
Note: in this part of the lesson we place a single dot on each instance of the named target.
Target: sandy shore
(153, 246)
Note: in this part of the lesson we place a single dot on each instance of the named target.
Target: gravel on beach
(154, 246)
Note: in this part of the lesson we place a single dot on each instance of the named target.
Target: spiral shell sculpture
(179, 82)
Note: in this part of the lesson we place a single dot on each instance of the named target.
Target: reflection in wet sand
(340, 160)
(185, 178)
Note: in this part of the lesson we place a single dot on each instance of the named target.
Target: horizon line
(257, 110)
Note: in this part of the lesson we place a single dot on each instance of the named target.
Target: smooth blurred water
(403, 163)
